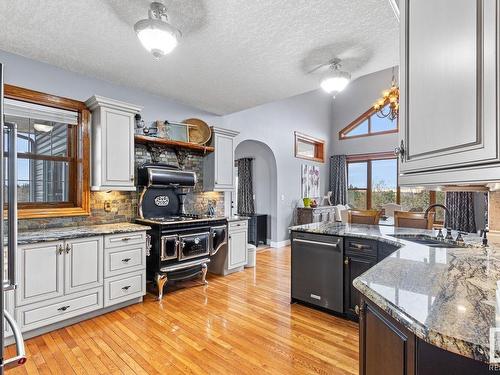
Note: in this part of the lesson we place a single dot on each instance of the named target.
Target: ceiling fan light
(156, 35)
(335, 81)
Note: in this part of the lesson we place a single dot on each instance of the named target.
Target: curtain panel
(338, 179)
(461, 207)
(245, 186)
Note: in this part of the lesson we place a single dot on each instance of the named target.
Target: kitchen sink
(427, 240)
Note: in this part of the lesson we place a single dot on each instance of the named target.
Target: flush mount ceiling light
(335, 80)
(43, 128)
(155, 33)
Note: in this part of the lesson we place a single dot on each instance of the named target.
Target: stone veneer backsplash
(124, 204)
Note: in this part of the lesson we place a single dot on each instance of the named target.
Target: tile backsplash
(124, 204)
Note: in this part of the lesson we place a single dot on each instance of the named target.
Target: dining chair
(417, 220)
(370, 217)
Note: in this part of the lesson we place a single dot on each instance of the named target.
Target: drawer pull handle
(125, 288)
(126, 239)
(63, 308)
(126, 260)
(68, 248)
(60, 249)
(356, 309)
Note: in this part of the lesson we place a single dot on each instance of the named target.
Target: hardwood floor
(238, 324)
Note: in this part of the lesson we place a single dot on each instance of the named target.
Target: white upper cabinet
(218, 172)
(449, 129)
(113, 159)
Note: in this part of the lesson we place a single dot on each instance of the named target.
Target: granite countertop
(449, 297)
(63, 233)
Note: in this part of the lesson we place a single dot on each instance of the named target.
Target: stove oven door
(218, 236)
(194, 245)
(169, 247)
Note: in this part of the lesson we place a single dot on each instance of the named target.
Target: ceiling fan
(335, 80)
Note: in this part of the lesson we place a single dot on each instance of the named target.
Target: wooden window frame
(319, 147)
(368, 158)
(366, 116)
(79, 194)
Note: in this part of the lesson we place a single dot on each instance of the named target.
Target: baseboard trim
(278, 244)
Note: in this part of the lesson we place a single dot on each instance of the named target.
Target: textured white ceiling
(234, 54)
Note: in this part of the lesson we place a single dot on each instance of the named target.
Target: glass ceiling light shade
(335, 80)
(155, 33)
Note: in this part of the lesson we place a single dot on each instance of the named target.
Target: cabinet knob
(346, 261)
(60, 249)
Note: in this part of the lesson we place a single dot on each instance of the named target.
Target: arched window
(369, 123)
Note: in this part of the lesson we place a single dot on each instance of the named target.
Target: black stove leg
(161, 279)
(204, 269)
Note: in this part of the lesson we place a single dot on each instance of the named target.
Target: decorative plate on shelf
(198, 130)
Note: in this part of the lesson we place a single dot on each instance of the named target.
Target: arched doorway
(265, 181)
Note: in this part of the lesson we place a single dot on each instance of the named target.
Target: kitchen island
(422, 309)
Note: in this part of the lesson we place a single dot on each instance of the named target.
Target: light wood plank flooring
(238, 324)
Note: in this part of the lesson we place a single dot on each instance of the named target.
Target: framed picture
(310, 181)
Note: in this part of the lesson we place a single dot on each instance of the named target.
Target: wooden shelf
(167, 143)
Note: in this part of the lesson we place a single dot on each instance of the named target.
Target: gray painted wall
(358, 97)
(264, 181)
(274, 124)
(35, 75)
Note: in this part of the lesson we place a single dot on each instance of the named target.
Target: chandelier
(388, 104)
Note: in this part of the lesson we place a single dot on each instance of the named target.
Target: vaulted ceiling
(234, 54)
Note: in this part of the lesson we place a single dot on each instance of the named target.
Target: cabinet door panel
(354, 267)
(83, 264)
(237, 254)
(40, 269)
(448, 115)
(118, 148)
(384, 348)
(224, 163)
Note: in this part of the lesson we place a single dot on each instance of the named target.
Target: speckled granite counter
(63, 233)
(449, 297)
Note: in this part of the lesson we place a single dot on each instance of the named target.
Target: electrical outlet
(107, 206)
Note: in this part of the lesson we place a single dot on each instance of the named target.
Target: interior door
(83, 264)
(448, 114)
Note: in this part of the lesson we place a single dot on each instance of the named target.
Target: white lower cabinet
(41, 272)
(66, 279)
(124, 287)
(41, 314)
(237, 244)
(83, 261)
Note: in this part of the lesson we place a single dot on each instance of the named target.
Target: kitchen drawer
(119, 260)
(124, 239)
(236, 225)
(41, 314)
(357, 246)
(124, 287)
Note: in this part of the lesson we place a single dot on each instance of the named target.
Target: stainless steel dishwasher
(317, 270)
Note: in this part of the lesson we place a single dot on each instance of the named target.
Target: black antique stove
(181, 243)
